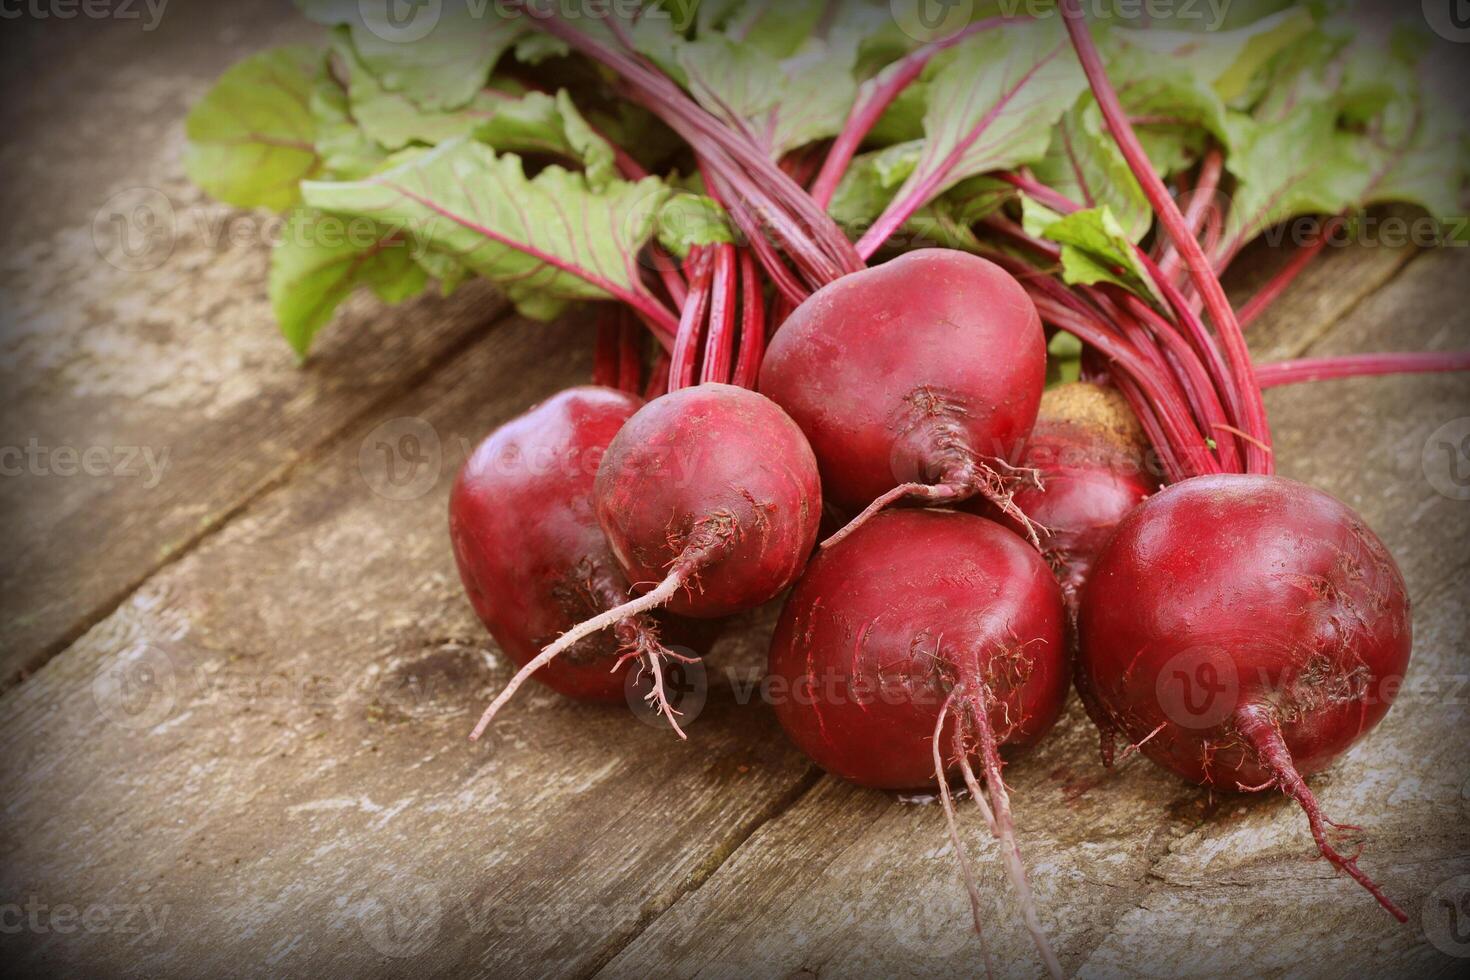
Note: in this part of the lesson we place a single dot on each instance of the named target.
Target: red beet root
(530, 553)
(713, 493)
(1244, 630)
(709, 498)
(914, 379)
(913, 650)
(1091, 455)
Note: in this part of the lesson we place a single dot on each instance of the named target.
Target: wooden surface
(163, 362)
(233, 734)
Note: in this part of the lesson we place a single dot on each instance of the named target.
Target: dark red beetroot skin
(926, 369)
(715, 481)
(886, 624)
(911, 651)
(1091, 455)
(530, 553)
(1244, 630)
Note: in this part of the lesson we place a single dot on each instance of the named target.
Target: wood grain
(280, 779)
(1330, 288)
(268, 740)
(148, 394)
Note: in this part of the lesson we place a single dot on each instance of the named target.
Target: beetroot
(714, 491)
(1091, 455)
(913, 650)
(709, 495)
(917, 378)
(529, 551)
(1244, 630)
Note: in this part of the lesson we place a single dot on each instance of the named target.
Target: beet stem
(914, 194)
(1175, 435)
(1191, 373)
(668, 271)
(877, 94)
(1190, 324)
(1199, 205)
(685, 352)
(808, 234)
(1272, 291)
(605, 354)
(752, 324)
(1010, 851)
(1261, 733)
(630, 355)
(719, 343)
(1360, 366)
(954, 831)
(1201, 272)
(665, 591)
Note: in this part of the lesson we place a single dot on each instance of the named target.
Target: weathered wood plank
(285, 767)
(1136, 873)
(148, 393)
(1338, 280)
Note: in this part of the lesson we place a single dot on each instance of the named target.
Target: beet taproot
(1245, 630)
(534, 561)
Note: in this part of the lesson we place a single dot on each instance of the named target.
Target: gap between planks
(659, 904)
(267, 484)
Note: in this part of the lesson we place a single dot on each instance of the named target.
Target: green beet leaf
(437, 57)
(546, 240)
(1084, 164)
(321, 260)
(992, 103)
(252, 138)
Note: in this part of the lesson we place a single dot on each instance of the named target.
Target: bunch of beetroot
(1004, 537)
